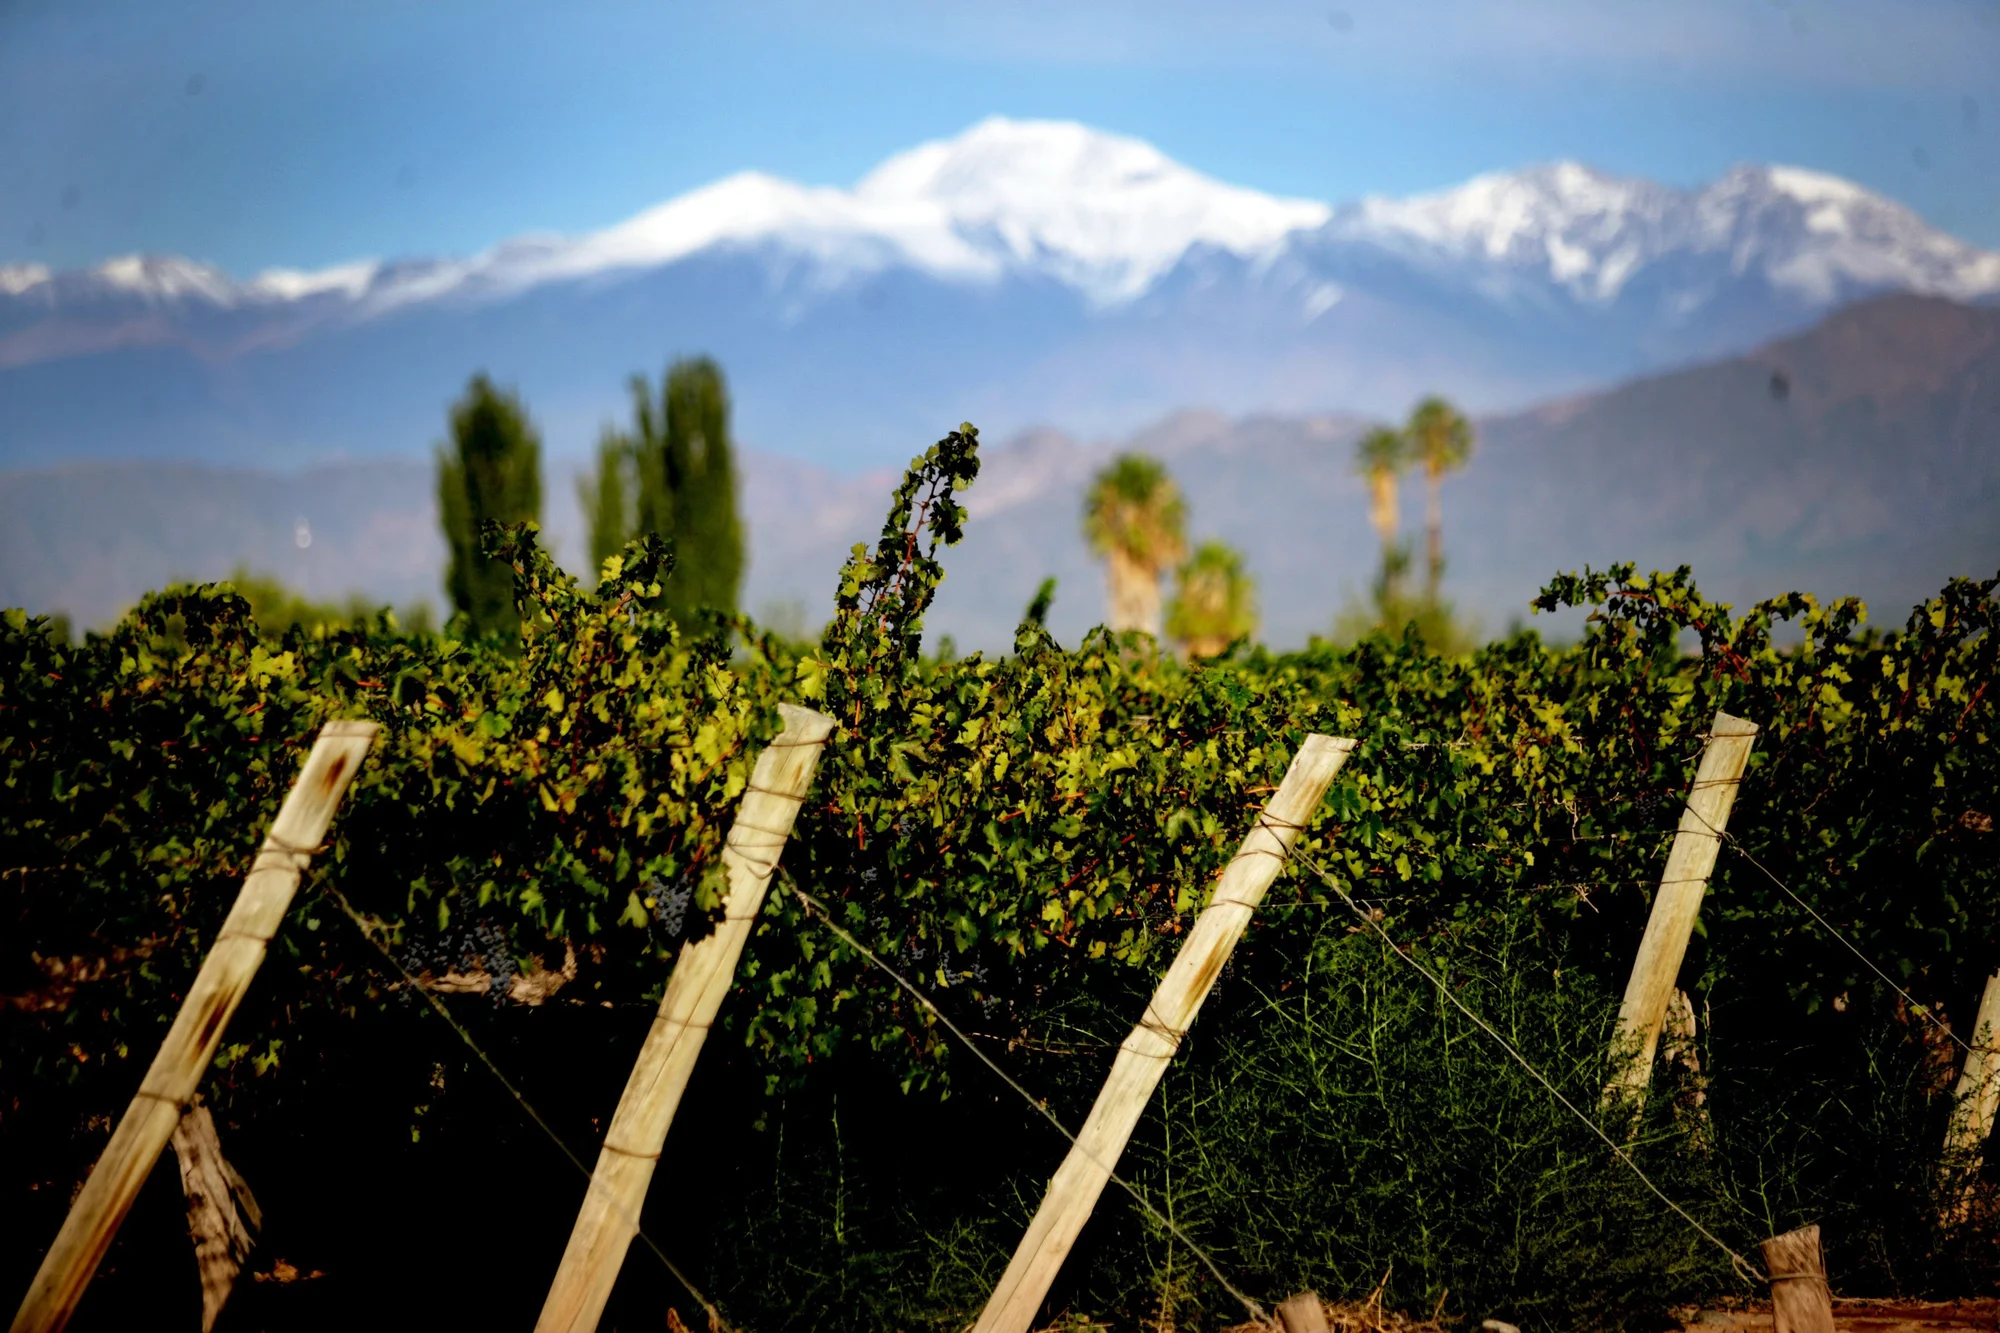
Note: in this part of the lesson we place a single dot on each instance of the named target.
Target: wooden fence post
(1142, 1057)
(701, 978)
(190, 1044)
(1976, 1099)
(1801, 1301)
(223, 1217)
(1303, 1313)
(1678, 901)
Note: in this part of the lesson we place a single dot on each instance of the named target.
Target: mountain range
(1860, 457)
(1020, 274)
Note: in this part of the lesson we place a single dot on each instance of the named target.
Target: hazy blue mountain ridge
(1861, 457)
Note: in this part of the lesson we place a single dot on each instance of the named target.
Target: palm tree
(1380, 458)
(1217, 601)
(1135, 518)
(1441, 439)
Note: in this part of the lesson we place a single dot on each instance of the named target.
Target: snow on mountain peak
(18, 278)
(1106, 213)
(1816, 236)
(841, 230)
(1103, 213)
(172, 280)
(1109, 215)
(164, 278)
(1490, 214)
(1814, 187)
(290, 284)
(1586, 230)
(1820, 237)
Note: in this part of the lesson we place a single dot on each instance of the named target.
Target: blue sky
(254, 133)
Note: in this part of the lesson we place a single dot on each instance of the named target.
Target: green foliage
(1440, 441)
(1382, 451)
(1134, 508)
(673, 476)
(606, 497)
(1343, 1123)
(277, 607)
(491, 472)
(1029, 838)
(1134, 516)
(1392, 610)
(1037, 613)
(701, 468)
(1381, 456)
(1216, 602)
(1439, 438)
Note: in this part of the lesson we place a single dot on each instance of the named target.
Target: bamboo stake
(701, 978)
(1678, 902)
(176, 1072)
(1143, 1056)
(1976, 1099)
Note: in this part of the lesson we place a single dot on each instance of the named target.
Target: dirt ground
(1865, 1316)
(1850, 1315)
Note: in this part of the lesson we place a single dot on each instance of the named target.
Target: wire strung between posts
(368, 933)
(1724, 835)
(1743, 1267)
(825, 916)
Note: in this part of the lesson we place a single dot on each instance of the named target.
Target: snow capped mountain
(1103, 214)
(1108, 216)
(288, 284)
(1020, 272)
(18, 278)
(1817, 237)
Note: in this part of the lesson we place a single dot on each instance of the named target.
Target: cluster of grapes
(988, 1001)
(669, 905)
(481, 945)
(956, 971)
(909, 959)
(1648, 804)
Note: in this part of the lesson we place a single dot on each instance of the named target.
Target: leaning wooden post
(184, 1056)
(1801, 1301)
(1142, 1057)
(1976, 1100)
(1978, 1093)
(1678, 901)
(701, 978)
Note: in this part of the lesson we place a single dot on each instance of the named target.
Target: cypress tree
(491, 469)
(653, 507)
(683, 467)
(606, 497)
(708, 534)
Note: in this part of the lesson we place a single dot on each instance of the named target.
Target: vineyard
(1011, 848)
